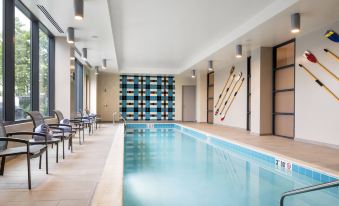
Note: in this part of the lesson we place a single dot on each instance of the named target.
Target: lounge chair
(77, 125)
(31, 149)
(57, 129)
(88, 121)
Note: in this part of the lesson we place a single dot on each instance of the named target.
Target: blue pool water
(166, 167)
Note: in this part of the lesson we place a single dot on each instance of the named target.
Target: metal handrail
(308, 189)
(120, 117)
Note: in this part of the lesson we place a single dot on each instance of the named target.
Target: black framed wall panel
(248, 122)
(284, 89)
(210, 97)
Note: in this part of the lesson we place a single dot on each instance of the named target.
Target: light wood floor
(315, 156)
(71, 182)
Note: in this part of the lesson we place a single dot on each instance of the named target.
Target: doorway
(188, 103)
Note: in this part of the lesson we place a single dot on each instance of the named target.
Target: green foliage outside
(23, 68)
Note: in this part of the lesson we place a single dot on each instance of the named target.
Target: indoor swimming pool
(167, 165)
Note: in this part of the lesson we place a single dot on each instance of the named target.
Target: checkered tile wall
(147, 97)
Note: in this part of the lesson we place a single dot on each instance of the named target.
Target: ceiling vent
(50, 18)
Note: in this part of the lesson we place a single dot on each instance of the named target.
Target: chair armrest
(26, 133)
(58, 125)
(11, 139)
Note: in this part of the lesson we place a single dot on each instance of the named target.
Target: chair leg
(80, 136)
(2, 169)
(63, 148)
(83, 134)
(29, 171)
(57, 152)
(71, 141)
(46, 160)
(40, 161)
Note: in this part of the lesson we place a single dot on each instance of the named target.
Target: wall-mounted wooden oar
(235, 84)
(229, 77)
(332, 35)
(310, 57)
(235, 94)
(332, 54)
(228, 88)
(319, 82)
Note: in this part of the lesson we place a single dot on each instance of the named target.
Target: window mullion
(35, 66)
(9, 60)
(51, 76)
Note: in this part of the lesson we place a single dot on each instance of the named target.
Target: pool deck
(316, 156)
(71, 182)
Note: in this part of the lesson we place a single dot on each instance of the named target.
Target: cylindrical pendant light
(72, 56)
(78, 9)
(238, 51)
(96, 70)
(104, 63)
(210, 65)
(84, 54)
(193, 73)
(295, 23)
(70, 35)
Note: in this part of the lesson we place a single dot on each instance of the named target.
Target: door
(106, 92)
(188, 104)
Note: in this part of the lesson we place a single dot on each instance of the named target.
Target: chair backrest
(37, 118)
(3, 144)
(59, 115)
(87, 111)
(79, 114)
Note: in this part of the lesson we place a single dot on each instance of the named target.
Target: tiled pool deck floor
(73, 181)
(320, 157)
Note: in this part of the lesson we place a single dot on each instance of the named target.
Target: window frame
(9, 61)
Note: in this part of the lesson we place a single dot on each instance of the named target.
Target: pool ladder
(308, 189)
(120, 117)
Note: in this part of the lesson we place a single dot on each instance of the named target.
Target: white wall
(107, 93)
(201, 96)
(181, 80)
(261, 91)
(62, 76)
(236, 116)
(317, 113)
(93, 92)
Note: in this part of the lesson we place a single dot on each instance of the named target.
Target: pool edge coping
(109, 189)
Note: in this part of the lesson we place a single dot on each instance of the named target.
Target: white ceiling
(163, 35)
(172, 36)
(96, 22)
(315, 14)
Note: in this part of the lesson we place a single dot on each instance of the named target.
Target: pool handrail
(120, 117)
(312, 188)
